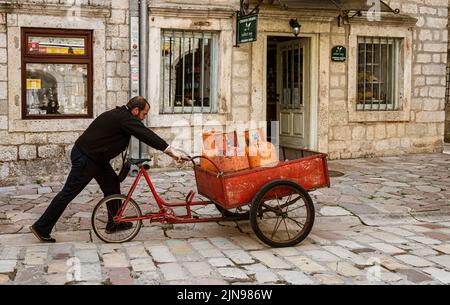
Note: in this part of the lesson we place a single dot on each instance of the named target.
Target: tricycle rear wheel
(282, 214)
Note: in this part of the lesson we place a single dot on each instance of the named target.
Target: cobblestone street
(385, 221)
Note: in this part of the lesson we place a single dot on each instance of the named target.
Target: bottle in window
(34, 101)
(43, 102)
(52, 104)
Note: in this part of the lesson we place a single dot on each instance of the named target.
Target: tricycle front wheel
(105, 223)
(282, 214)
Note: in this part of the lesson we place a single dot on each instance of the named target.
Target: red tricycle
(275, 199)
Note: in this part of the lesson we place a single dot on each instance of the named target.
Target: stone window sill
(379, 116)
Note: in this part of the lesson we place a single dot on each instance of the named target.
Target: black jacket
(109, 134)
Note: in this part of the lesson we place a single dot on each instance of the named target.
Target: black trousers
(82, 172)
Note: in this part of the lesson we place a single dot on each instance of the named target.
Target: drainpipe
(138, 61)
(143, 55)
(134, 69)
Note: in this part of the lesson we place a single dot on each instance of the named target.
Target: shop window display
(57, 79)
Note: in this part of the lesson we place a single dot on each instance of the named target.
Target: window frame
(30, 58)
(391, 31)
(166, 107)
(397, 73)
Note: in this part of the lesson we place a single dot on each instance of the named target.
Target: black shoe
(42, 237)
(112, 227)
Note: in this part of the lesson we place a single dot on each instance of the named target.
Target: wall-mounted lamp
(295, 26)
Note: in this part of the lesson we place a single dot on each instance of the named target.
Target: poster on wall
(33, 84)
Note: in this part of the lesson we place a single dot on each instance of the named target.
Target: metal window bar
(213, 49)
(380, 79)
(163, 61)
(391, 74)
(193, 73)
(372, 76)
(396, 72)
(172, 45)
(365, 74)
(202, 72)
(183, 71)
(212, 71)
(388, 78)
(383, 68)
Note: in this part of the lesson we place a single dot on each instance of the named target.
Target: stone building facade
(420, 128)
(30, 149)
(447, 96)
(330, 119)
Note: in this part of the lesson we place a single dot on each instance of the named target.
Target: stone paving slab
(386, 221)
(330, 264)
(30, 239)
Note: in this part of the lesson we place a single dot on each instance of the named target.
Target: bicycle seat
(138, 161)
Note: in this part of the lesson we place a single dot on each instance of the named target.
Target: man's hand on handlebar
(177, 155)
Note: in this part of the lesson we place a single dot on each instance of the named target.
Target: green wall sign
(339, 53)
(246, 28)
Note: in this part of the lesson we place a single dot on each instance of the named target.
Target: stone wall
(118, 54)
(28, 154)
(447, 108)
(424, 131)
(29, 150)
(6, 153)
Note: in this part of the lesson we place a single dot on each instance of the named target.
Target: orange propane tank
(254, 135)
(221, 149)
(215, 143)
(236, 159)
(262, 153)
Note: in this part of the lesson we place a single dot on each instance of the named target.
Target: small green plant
(40, 180)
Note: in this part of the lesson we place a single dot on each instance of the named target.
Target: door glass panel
(292, 61)
(301, 77)
(286, 91)
(289, 76)
(296, 78)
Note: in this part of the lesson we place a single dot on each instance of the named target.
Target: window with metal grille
(188, 79)
(380, 73)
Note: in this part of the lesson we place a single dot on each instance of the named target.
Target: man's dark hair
(139, 102)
